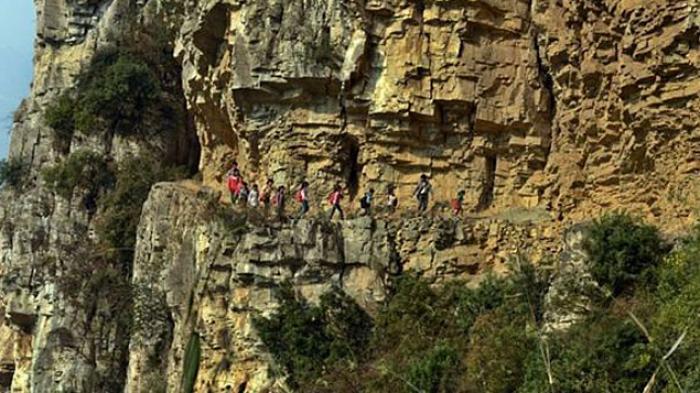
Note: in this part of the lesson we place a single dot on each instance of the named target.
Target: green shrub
(60, 116)
(190, 368)
(115, 93)
(678, 302)
(13, 173)
(621, 250)
(603, 353)
(499, 346)
(82, 169)
(348, 324)
(121, 207)
(306, 339)
(438, 371)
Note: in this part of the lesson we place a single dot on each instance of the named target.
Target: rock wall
(546, 112)
(55, 337)
(198, 273)
(575, 106)
(372, 94)
(625, 81)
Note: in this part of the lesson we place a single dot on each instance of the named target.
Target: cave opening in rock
(488, 182)
(6, 373)
(351, 169)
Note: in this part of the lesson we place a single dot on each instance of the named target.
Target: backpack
(330, 198)
(424, 189)
(298, 196)
(364, 203)
(456, 204)
(278, 198)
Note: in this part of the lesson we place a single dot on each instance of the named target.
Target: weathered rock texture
(194, 275)
(545, 111)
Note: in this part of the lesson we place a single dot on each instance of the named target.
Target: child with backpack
(253, 196)
(392, 202)
(279, 202)
(266, 195)
(334, 200)
(422, 193)
(302, 197)
(457, 203)
(235, 182)
(366, 202)
(243, 193)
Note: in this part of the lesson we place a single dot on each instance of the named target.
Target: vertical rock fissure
(545, 75)
(488, 182)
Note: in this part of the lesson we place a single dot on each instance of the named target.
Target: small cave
(7, 372)
(191, 149)
(488, 182)
(350, 168)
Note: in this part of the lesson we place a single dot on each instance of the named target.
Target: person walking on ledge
(279, 202)
(422, 193)
(234, 185)
(392, 202)
(366, 202)
(334, 199)
(266, 195)
(302, 196)
(243, 194)
(253, 197)
(457, 204)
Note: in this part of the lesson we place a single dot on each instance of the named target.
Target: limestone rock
(545, 112)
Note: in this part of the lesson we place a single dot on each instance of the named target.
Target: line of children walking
(270, 196)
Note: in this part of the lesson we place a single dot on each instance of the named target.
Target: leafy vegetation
(60, 116)
(119, 93)
(492, 338)
(305, 338)
(115, 93)
(622, 250)
(418, 343)
(83, 169)
(121, 207)
(12, 173)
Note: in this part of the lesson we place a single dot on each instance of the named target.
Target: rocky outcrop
(56, 336)
(200, 273)
(545, 112)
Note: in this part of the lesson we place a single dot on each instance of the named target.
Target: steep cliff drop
(117, 274)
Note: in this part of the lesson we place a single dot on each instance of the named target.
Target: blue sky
(17, 32)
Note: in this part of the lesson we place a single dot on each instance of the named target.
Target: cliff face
(545, 112)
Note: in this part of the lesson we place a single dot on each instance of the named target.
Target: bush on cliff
(452, 338)
(306, 339)
(121, 207)
(60, 116)
(12, 173)
(622, 251)
(117, 94)
(424, 339)
(83, 169)
(676, 318)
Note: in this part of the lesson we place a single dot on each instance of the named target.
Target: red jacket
(234, 184)
(335, 197)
